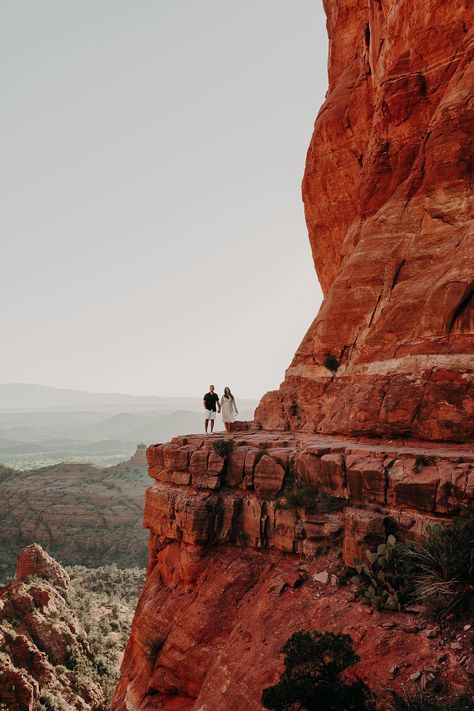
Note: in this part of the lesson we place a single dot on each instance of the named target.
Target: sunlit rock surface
(390, 207)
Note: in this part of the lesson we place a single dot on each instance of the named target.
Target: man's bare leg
(206, 422)
(212, 425)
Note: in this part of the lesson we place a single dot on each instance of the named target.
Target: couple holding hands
(226, 404)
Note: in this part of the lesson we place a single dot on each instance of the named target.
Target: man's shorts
(209, 415)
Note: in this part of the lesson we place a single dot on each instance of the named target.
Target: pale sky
(152, 230)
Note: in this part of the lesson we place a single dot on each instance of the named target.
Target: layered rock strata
(390, 212)
(202, 498)
(234, 568)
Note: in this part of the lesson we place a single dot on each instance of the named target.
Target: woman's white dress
(228, 408)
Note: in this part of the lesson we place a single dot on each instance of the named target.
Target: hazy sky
(152, 230)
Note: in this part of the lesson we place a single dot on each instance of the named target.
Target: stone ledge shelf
(202, 498)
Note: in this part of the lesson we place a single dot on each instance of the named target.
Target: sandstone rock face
(390, 213)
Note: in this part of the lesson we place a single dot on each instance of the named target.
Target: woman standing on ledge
(229, 408)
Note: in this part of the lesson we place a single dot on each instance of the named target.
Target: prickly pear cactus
(381, 580)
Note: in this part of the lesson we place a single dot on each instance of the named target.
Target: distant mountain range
(28, 396)
(40, 426)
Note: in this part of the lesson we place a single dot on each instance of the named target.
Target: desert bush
(383, 581)
(422, 461)
(299, 496)
(442, 567)
(49, 702)
(331, 362)
(223, 447)
(306, 496)
(312, 678)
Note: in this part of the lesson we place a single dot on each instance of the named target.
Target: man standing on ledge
(211, 399)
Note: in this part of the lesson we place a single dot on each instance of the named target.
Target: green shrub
(223, 447)
(422, 461)
(383, 581)
(49, 702)
(312, 678)
(306, 496)
(442, 567)
(300, 496)
(331, 362)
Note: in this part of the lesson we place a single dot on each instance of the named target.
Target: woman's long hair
(228, 394)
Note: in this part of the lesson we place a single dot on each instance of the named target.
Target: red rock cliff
(232, 573)
(389, 207)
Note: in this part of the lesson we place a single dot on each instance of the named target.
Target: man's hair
(211, 386)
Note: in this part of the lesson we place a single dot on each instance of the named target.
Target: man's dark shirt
(210, 400)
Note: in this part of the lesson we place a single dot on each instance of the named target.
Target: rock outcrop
(390, 212)
(235, 567)
(33, 560)
(40, 638)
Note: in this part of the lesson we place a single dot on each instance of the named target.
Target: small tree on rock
(312, 679)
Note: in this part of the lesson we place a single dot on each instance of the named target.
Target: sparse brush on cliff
(331, 362)
(422, 461)
(223, 447)
(312, 679)
(306, 496)
(299, 496)
(442, 567)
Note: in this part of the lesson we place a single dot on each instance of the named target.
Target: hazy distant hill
(28, 396)
(41, 426)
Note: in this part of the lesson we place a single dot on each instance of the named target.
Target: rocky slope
(62, 633)
(234, 570)
(390, 209)
(80, 513)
